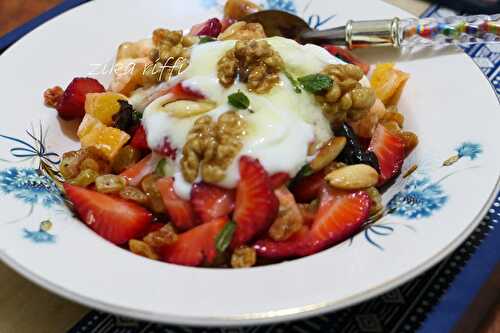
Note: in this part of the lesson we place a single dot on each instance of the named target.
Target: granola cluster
(347, 99)
(254, 63)
(243, 257)
(211, 147)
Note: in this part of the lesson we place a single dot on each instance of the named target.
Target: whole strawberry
(72, 103)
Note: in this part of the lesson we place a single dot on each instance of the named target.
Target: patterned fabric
(400, 310)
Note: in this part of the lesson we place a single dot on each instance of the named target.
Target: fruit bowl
(429, 211)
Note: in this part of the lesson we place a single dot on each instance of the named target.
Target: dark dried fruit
(126, 119)
(353, 152)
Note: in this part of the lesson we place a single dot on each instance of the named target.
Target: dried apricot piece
(103, 105)
(388, 83)
(108, 140)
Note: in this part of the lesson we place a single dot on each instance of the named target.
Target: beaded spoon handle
(412, 32)
(396, 32)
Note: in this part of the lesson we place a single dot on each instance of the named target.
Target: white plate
(447, 102)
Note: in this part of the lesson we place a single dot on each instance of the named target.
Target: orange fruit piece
(388, 83)
(107, 139)
(103, 105)
(88, 124)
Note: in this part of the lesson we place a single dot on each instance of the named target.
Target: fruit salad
(223, 147)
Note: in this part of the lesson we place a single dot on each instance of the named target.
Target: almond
(353, 177)
(328, 153)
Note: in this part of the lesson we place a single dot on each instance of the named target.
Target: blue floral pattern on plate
(284, 5)
(470, 150)
(33, 186)
(41, 235)
(419, 198)
(30, 186)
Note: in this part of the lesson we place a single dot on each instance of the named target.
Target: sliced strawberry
(256, 203)
(196, 246)
(308, 212)
(139, 139)
(279, 179)
(270, 249)
(389, 148)
(72, 103)
(211, 28)
(307, 188)
(210, 201)
(339, 216)
(181, 92)
(115, 219)
(136, 172)
(180, 211)
(347, 56)
(166, 149)
(153, 226)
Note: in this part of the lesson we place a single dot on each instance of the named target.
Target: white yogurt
(281, 125)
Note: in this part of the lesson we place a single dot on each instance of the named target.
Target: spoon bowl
(279, 23)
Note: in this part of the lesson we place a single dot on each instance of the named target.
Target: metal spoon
(394, 32)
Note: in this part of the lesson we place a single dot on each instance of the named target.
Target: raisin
(126, 119)
(353, 152)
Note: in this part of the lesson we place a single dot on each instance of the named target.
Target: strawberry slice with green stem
(340, 215)
(196, 246)
(256, 203)
(210, 201)
(389, 147)
(115, 219)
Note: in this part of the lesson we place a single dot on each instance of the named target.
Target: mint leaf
(294, 82)
(160, 167)
(239, 100)
(316, 83)
(225, 237)
(206, 39)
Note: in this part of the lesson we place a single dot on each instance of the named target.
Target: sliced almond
(353, 177)
(186, 109)
(328, 153)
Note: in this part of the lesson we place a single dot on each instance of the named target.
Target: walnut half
(347, 99)
(254, 62)
(243, 31)
(212, 146)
